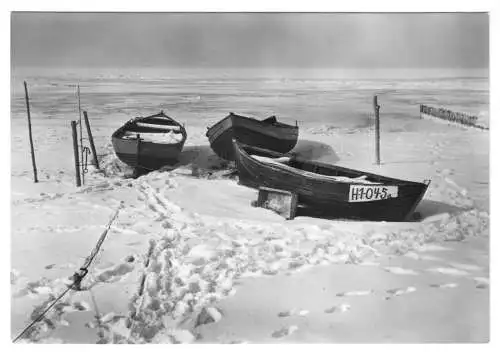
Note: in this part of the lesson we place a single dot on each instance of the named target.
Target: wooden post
(75, 149)
(376, 108)
(136, 168)
(35, 176)
(81, 130)
(91, 139)
(138, 151)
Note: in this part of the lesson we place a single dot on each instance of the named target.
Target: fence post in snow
(91, 139)
(376, 108)
(35, 176)
(75, 149)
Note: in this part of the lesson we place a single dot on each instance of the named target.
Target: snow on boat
(333, 190)
(149, 142)
(268, 134)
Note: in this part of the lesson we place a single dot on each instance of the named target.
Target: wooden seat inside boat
(170, 137)
(166, 127)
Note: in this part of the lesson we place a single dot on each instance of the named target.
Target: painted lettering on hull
(369, 193)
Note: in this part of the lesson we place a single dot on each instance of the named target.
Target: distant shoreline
(263, 72)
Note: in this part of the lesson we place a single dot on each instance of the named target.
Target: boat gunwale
(385, 179)
(118, 134)
(277, 124)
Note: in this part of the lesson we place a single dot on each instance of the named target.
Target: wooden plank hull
(326, 196)
(148, 155)
(151, 156)
(268, 134)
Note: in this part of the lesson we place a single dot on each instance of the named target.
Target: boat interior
(316, 168)
(154, 129)
(271, 120)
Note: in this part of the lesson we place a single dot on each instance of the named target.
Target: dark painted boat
(268, 134)
(149, 143)
(328, 189)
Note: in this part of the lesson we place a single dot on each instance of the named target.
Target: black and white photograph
(249, 177)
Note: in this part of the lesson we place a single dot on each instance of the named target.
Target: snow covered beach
(206, 247)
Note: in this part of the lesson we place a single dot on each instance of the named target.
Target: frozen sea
(340, 98)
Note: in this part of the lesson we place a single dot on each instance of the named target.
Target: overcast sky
(250, 40)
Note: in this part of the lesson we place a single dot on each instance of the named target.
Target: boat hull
(149, 156)
(273, 136)
(328, 197)
(142, 154)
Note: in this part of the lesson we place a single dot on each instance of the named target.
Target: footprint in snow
(241, 342)
(482, 282)
(344, 307)
(400, 271)
(433, 248)
(78, 306)
(430, 257)
(368, 263)
(286, 313)
(114, 273)
(284, 332)
(124, 230)
(462, 266)
(129, 259)
(412, 255)
(109, 318)
(399, 291)
(31, 288)
(447, 285)
(291, 312)
(355, 293)
(449, 271)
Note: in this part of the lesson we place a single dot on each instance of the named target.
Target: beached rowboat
(329, 189)
(268, 134)
(150, 142)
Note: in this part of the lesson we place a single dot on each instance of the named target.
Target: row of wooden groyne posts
(451, 116)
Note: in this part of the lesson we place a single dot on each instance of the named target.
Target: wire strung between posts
(77, 276)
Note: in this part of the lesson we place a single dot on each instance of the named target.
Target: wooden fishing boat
(331, 190)
(149, 143)
(268, 134)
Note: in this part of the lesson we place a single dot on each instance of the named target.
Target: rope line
(77, 276)
(86, 152)
(100, 241)
(42, 315)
